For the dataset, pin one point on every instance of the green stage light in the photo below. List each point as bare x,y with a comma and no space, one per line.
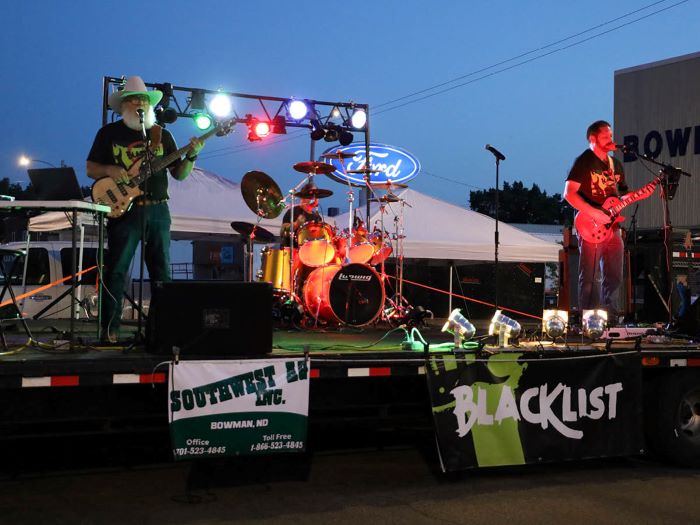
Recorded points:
202,121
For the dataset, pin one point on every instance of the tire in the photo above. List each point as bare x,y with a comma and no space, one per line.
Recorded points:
673,417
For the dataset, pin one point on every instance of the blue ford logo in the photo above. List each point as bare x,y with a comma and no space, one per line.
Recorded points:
392,164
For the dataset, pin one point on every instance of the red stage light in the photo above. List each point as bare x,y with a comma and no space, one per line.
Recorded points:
262,129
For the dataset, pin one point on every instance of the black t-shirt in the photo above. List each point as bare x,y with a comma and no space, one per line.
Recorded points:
117,144
597,181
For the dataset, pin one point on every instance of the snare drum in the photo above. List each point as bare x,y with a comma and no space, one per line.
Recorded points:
315,240
275,269
351,294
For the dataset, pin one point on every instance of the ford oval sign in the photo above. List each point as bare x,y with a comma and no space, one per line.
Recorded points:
393,164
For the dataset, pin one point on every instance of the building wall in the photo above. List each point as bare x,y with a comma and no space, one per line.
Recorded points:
658,106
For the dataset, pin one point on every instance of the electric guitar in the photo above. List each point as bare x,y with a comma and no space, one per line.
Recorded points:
119,195
596,233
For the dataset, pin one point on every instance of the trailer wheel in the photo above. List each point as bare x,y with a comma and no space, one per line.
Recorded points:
675,425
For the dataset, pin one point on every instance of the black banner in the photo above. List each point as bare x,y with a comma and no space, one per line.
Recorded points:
518,408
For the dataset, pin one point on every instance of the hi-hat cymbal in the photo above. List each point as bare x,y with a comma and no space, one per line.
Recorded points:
314,193
389,197
314,167
255,232
338,155
388,185
261,194
364,170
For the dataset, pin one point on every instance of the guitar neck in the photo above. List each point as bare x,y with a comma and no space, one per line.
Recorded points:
640,194
163,162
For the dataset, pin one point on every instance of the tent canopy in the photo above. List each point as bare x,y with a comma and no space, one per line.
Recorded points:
436,229
205,204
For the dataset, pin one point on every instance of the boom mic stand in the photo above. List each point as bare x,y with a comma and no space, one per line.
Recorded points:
669,185
499,157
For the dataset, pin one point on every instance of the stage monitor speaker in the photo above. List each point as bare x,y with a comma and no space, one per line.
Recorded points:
210,319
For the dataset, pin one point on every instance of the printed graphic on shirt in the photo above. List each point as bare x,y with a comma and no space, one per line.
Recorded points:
127,155
604,184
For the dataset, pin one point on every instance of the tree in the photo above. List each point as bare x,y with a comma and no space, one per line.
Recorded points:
518,204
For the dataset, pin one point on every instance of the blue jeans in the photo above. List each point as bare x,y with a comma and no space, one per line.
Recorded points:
608,257
123,236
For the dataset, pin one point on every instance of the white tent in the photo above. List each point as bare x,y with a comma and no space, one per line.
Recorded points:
203,204
436,229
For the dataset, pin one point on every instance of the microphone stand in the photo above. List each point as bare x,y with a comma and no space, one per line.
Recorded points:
147,159
669,184
633,265
495,235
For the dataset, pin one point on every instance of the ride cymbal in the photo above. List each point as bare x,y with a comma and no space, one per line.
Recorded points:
318,193
314,168
364,170
255,232
388,185
389,197
338,155
261,194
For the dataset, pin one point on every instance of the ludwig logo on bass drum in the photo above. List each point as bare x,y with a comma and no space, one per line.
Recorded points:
351,277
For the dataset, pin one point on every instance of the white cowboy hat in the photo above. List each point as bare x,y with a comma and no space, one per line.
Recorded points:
133,86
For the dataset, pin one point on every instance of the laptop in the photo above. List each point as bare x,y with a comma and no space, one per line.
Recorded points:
55,184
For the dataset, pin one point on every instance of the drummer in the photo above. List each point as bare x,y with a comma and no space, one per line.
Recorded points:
306,211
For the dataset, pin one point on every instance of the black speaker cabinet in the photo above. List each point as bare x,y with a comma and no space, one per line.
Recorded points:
210,319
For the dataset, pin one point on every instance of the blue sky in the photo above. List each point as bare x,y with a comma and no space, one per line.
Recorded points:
54,55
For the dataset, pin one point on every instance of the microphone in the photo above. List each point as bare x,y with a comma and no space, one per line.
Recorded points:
139,112
496,153
624,148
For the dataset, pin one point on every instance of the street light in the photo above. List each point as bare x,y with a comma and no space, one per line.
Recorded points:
25,161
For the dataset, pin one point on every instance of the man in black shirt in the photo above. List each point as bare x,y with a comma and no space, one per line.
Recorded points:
117,146
305,211
594,177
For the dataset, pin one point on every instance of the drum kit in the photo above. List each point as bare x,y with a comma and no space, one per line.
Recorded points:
328,274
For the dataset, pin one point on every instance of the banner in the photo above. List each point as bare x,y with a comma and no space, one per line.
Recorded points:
225,408
515,408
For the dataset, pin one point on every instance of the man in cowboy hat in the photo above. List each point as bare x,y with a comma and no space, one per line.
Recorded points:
117,146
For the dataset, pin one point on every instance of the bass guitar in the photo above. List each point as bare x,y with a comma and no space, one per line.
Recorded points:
119,195
595,233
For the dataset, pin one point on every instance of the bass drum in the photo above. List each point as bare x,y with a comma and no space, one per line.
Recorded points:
352,294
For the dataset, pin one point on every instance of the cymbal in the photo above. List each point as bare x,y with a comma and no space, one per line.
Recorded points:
261,194
338,155
314,167
318,193
255,232
388,185
389,197
364,170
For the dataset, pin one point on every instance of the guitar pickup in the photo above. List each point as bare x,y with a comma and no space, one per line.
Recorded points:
111,195
122,190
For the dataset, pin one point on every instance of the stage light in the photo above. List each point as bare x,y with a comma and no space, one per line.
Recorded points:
594,323
257,129
197,100
297,109
459,326
335,113
344,137
504,327
331,134
279,125
165,115
358,119
554,322
220,105
202,121
317,131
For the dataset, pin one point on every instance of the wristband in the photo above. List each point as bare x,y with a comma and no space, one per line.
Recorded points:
191,159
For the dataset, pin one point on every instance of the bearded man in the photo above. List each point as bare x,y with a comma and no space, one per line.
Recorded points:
117,146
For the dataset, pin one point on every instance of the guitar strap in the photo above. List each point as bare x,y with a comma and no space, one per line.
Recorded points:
156,136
